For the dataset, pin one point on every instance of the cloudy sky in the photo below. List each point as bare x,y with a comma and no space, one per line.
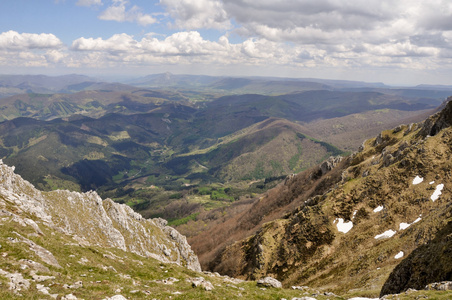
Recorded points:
396,42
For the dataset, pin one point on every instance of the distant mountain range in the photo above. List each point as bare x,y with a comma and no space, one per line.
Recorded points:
107,133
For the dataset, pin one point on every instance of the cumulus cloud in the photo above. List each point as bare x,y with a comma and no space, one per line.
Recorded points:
117,43
184,48
196,14
335,32
89,2
118,12
12,40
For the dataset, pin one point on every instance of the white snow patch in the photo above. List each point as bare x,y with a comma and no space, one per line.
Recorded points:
343,226
399,255
417,179
431,182
437,192
379,208
385,235
354,214
403,226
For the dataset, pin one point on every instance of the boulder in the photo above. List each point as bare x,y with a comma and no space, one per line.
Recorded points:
269,282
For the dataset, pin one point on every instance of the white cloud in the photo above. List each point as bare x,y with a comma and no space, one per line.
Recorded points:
119,12
12,40
196,14
117,43
182,48
55,56
88,2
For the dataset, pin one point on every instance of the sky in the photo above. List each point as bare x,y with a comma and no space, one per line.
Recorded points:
403,42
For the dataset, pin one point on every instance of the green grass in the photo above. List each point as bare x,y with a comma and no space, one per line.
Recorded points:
181,221
103,271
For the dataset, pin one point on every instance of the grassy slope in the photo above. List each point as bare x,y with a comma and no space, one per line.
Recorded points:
104,272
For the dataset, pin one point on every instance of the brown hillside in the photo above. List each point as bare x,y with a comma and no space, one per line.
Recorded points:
374,190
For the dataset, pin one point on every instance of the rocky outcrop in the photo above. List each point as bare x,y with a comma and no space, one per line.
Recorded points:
269,282
440,286
330,164
426,264
91,221
438,121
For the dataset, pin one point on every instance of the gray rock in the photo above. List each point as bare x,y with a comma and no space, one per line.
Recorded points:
440,286
102,223
116,297
199,281
378,140
17,282
330,164
269,282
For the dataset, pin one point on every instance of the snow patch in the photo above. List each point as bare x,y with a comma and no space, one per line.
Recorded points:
379,208
343,226
385,235
404,226
354,214
417,180
437,192
431,182
399,255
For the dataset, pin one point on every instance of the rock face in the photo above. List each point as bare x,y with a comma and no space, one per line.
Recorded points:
426,264
439,121
93,221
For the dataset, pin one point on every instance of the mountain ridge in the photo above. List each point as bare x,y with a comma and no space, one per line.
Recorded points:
116,226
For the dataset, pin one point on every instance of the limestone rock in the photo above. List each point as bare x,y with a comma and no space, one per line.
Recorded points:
199,281
330,163
116,297
269,282
43,253
440,286
17,282
439,121
97,222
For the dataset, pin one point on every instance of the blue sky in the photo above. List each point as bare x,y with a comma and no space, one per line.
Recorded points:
404,42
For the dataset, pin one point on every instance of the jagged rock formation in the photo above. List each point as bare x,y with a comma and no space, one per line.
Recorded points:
91,221
358,219
428,263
